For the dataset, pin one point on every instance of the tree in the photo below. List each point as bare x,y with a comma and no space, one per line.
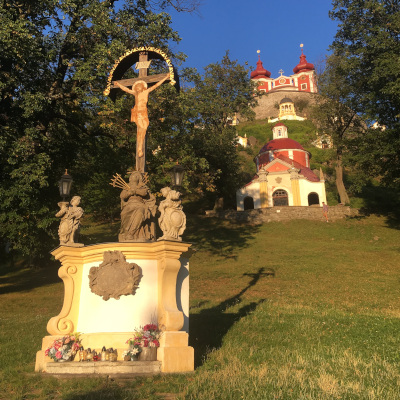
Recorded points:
366,53
193,128
333,117
200,133
225,89
54,63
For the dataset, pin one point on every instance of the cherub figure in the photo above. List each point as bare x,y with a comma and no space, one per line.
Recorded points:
172,220
70,215
139,113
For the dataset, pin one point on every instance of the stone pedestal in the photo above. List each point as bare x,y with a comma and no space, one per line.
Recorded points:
162,297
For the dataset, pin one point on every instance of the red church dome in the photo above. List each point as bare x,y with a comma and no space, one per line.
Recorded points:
281,144
260,71
303,66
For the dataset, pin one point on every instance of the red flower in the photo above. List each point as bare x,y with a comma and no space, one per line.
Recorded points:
46,353
58,355
156,343
150,327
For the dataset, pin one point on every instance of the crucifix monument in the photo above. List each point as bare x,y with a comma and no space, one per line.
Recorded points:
111,289
141,87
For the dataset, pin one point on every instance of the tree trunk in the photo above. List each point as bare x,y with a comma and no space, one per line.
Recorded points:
344,198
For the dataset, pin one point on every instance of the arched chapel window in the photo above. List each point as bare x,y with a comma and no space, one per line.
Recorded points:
280,198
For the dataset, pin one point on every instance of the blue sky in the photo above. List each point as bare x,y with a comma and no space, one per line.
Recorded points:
277,28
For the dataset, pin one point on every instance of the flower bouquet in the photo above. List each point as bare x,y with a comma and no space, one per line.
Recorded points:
147,339
148,336
64,349
134,350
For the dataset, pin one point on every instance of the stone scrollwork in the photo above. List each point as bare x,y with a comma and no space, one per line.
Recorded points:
65,326
169,315
62,323
114,277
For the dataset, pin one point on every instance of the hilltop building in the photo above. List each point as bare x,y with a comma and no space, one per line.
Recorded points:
302,80
300,88
283,177
286,111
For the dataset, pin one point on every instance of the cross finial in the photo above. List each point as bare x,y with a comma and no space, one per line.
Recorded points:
281,71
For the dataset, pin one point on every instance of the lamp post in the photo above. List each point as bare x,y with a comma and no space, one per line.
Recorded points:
177,173
65,184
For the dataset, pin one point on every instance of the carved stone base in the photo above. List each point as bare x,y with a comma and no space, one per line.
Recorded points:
162,297
174,353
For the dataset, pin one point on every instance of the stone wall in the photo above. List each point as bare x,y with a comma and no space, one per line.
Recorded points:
263,215
266,104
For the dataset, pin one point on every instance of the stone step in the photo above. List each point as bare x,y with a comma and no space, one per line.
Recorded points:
104,367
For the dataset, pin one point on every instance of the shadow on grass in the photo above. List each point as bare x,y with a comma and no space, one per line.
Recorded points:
100,233
218,236
22,280
209,326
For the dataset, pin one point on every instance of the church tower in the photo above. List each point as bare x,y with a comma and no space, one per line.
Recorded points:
302,80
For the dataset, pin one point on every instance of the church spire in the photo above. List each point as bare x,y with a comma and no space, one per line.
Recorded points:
260,71
303,65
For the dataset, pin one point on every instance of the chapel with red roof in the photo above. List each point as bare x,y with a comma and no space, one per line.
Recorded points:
283,176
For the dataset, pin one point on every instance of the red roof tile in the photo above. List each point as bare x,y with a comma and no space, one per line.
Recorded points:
306,172
280,144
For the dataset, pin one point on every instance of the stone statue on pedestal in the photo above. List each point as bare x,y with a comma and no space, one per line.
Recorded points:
138,206
70,215
172,220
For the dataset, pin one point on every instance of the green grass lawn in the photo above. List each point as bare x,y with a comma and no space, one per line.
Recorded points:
325,326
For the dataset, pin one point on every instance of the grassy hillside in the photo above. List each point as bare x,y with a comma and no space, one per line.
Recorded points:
324,327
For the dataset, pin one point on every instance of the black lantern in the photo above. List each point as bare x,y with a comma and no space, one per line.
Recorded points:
65,184
177,173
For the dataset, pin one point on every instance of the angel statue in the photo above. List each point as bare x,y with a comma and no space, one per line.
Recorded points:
70,215
172,220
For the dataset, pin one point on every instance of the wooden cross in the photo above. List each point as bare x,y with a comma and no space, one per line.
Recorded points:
139,112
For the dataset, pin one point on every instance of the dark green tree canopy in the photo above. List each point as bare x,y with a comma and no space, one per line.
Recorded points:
54,63
56,56
366,57
366,51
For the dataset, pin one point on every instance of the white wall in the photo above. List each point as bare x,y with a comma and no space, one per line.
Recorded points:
307,187
252,190
125,314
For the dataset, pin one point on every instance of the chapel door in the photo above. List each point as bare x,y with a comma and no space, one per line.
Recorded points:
280,198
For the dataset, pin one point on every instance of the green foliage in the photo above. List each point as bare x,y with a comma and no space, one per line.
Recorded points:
192,127
55,60
366,55
259,129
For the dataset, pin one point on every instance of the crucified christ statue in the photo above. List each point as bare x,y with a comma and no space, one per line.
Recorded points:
139,111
